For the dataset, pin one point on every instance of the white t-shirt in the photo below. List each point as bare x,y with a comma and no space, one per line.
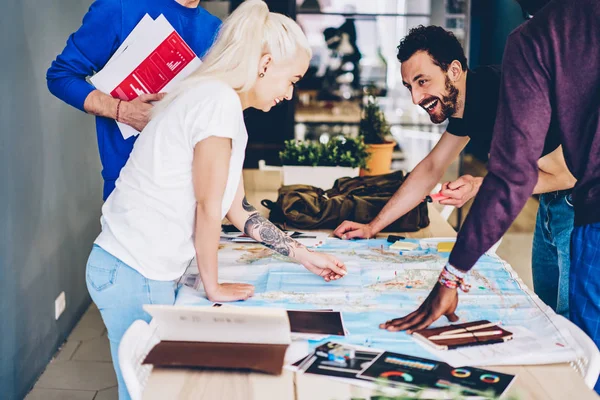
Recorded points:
148,220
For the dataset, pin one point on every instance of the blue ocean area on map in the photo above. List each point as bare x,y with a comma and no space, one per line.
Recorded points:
381,284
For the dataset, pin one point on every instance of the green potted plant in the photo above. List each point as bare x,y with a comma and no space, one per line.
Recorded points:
320,164
375,130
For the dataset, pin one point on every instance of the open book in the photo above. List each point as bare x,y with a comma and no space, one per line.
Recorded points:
152,59
240,338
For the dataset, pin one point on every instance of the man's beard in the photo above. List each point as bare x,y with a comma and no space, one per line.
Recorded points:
448,103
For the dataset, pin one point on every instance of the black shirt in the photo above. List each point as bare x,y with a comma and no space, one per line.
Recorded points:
481,101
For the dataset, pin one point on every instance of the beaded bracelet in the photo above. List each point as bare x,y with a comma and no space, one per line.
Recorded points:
453,281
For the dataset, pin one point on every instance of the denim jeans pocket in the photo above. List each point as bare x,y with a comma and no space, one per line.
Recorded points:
102,269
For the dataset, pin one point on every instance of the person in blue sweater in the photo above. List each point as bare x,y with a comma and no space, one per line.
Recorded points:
105,26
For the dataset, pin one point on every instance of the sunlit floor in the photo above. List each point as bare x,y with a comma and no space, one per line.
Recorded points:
82,369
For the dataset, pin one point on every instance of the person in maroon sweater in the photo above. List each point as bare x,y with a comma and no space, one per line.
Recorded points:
550,71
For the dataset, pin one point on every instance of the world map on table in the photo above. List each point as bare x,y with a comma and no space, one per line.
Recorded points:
383,284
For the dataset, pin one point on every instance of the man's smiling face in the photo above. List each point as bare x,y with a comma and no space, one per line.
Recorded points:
430,86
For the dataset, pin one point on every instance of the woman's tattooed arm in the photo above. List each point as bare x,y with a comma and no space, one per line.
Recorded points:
263,231
247,206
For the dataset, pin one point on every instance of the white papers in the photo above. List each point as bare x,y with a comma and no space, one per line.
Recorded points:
297,350
526,348
144,23
221,324
309,336
152,59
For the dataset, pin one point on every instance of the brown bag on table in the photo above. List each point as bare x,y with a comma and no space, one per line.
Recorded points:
355,199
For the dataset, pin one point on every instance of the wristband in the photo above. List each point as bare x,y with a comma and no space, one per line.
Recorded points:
448,279
118,108
455,271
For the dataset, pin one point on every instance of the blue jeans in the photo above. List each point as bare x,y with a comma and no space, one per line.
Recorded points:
551,260
119,291
584,288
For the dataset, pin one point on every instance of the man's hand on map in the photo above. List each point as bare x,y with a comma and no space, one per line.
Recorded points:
441,301
229,292
324,265
137,112
354,230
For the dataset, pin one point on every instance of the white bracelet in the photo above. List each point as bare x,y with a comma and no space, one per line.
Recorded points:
455,271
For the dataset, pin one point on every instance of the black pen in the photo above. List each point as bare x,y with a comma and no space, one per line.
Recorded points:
394,238
299,235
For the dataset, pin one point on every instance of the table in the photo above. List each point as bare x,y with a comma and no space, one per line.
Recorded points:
543,382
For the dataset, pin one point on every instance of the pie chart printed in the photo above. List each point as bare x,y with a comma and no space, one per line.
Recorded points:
461,373
489,378
403,375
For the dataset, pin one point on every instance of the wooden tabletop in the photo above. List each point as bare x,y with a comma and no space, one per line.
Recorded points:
543,382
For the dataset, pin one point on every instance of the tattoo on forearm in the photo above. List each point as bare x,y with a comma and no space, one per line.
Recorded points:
269,235
247,206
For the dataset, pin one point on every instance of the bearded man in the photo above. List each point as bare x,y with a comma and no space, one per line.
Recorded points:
434,70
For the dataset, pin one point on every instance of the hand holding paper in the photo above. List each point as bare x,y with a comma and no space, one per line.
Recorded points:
137,112
152,59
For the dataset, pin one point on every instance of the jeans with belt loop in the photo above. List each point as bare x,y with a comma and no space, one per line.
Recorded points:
551,250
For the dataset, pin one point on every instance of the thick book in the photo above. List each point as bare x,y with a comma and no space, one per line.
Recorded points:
266,358
224,338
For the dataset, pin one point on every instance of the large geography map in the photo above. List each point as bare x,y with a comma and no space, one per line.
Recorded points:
383,284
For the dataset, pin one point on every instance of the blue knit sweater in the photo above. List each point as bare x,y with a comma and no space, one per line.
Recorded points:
105,26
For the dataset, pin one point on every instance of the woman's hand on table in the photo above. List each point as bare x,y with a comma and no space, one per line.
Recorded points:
441,301
224,292
324,265
354,230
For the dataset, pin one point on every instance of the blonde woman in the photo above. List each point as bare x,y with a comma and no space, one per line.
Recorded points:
185,174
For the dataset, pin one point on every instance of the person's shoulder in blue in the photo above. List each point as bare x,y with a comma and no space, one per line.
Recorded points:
105,26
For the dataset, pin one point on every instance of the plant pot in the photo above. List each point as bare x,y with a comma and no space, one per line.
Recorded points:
380,160
321,177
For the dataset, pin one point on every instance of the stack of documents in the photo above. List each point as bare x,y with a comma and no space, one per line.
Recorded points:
152,59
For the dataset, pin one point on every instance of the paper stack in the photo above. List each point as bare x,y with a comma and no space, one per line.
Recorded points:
152,59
